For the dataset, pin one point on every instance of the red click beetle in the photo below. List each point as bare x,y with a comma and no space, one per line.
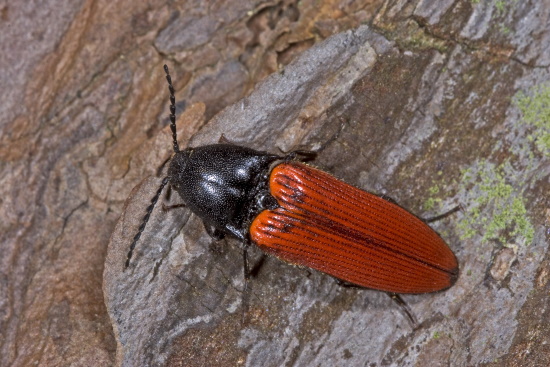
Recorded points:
306,217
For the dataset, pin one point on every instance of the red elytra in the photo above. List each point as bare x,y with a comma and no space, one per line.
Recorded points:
326,224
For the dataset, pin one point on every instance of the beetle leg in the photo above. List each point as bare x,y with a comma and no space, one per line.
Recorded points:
389,199
444,215
246,271
394,296
214,233
168,194
170,207
224,140
301,155
431,219
246,263
344,284
167,197
405,308
235,232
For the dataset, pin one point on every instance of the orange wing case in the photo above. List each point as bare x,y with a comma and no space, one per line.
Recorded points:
325,224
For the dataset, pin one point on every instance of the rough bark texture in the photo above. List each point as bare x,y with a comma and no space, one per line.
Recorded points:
433,103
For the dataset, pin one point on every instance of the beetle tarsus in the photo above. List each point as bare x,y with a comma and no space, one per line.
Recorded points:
444,215
405,308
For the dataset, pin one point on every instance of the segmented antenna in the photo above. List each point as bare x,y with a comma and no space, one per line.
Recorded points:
172,110
166,179
145,220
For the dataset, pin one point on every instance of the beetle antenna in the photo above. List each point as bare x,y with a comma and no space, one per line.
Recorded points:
145,220
172,110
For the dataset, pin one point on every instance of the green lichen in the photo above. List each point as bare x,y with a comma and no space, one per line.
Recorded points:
419,40
429,204
492,194
494,207
535,110
432,200
434,190
505,30
500,5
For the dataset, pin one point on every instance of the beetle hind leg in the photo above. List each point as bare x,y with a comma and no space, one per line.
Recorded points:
404,308
395,298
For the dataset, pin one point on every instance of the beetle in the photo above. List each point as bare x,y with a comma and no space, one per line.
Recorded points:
305,216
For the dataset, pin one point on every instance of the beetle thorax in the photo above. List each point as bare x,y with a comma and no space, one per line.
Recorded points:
219,182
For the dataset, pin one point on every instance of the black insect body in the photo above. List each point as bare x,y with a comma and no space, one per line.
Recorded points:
223,184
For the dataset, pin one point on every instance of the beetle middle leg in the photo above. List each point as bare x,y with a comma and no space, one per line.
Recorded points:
444,215
250,270
394,296
246,271
431,219
167,198
301,155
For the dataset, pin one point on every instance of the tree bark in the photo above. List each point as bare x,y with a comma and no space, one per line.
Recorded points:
432,103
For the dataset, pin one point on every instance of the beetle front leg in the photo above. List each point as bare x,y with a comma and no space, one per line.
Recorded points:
214,233
301,155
